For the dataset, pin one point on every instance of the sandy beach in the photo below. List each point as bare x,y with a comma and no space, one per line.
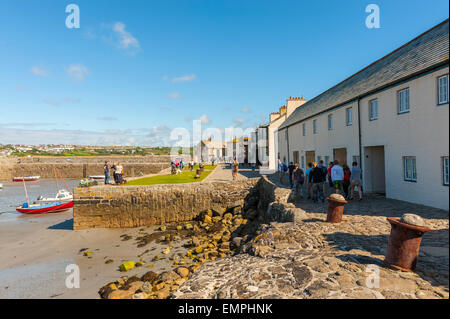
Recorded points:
36,250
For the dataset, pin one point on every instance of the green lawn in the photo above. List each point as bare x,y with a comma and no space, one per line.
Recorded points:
186,177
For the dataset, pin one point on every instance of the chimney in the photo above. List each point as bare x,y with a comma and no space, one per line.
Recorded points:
293,103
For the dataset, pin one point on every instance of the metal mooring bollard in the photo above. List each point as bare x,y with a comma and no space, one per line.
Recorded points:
404,242
336,204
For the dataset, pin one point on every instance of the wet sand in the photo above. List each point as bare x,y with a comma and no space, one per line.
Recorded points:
35,251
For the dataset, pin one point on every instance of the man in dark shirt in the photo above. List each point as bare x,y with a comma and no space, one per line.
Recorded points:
291,169
106,170
317,179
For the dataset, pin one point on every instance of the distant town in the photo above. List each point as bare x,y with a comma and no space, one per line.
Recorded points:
78,150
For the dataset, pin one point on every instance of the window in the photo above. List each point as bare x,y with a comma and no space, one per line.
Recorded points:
319,158
403,101
409,168
443,89
349,116
327,160
373,110
286,135
330,122
304,129
303,161
315,126
295,157
445,170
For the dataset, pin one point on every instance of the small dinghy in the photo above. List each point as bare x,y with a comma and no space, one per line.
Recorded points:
97,176
62,196
26,179
44,208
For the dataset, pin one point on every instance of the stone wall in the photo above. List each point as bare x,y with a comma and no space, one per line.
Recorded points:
134,206
80,167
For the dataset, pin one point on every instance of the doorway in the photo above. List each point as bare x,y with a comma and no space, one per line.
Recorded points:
340,154
310,156
374,170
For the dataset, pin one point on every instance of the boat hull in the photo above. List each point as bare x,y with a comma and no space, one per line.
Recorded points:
51,209
26,179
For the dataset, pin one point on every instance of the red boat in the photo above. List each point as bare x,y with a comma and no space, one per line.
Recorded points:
44,208
26,179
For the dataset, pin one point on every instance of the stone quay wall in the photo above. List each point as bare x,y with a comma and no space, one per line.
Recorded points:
135,206
80,167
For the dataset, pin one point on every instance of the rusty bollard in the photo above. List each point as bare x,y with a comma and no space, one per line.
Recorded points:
336,204
404,242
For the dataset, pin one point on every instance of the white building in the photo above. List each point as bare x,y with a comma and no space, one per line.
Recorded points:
393,114
207,150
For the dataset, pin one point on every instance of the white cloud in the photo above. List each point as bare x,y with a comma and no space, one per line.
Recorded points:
107,118
174,96
77,72
185,78
125,40
51,102
238,121
246,110
204,119
38,71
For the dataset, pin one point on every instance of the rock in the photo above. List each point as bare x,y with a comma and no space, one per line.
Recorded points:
105,291
168,276
228,216
147,287
337,197
162,228
166,251
208,219
188,226
159,286
412,219
121,294
237,241
109,261
182,272
139,264
139,295
127,266
252,288
88,253
163,293
179,227
195,241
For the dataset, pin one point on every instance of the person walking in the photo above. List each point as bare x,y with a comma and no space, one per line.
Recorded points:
325,173
235,169
337,176
355,180
346,181
299,179
291,169
181,165
308,180
330,182
317,179
281,171
119,173
114,168
106,171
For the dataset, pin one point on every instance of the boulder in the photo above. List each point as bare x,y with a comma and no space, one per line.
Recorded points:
127,266
182,272
412,219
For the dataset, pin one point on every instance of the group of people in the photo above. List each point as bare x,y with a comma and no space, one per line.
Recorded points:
117,173
340,178
176,167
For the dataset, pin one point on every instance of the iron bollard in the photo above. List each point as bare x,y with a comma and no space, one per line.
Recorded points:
404,244
336,204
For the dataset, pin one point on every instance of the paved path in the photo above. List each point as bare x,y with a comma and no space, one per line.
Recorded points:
223,174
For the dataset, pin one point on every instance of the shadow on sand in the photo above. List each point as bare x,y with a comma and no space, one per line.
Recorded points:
65,225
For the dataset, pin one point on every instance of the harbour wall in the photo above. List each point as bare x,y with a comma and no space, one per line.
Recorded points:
80,167
135,206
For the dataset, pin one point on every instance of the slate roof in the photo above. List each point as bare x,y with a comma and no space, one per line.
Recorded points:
427,50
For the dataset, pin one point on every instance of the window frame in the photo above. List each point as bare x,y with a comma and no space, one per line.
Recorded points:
330,122
399,99
371,117
304,129
444,159
315,129
439,92
349,110
405,169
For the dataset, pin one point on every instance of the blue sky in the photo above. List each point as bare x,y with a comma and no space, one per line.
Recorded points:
134,70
